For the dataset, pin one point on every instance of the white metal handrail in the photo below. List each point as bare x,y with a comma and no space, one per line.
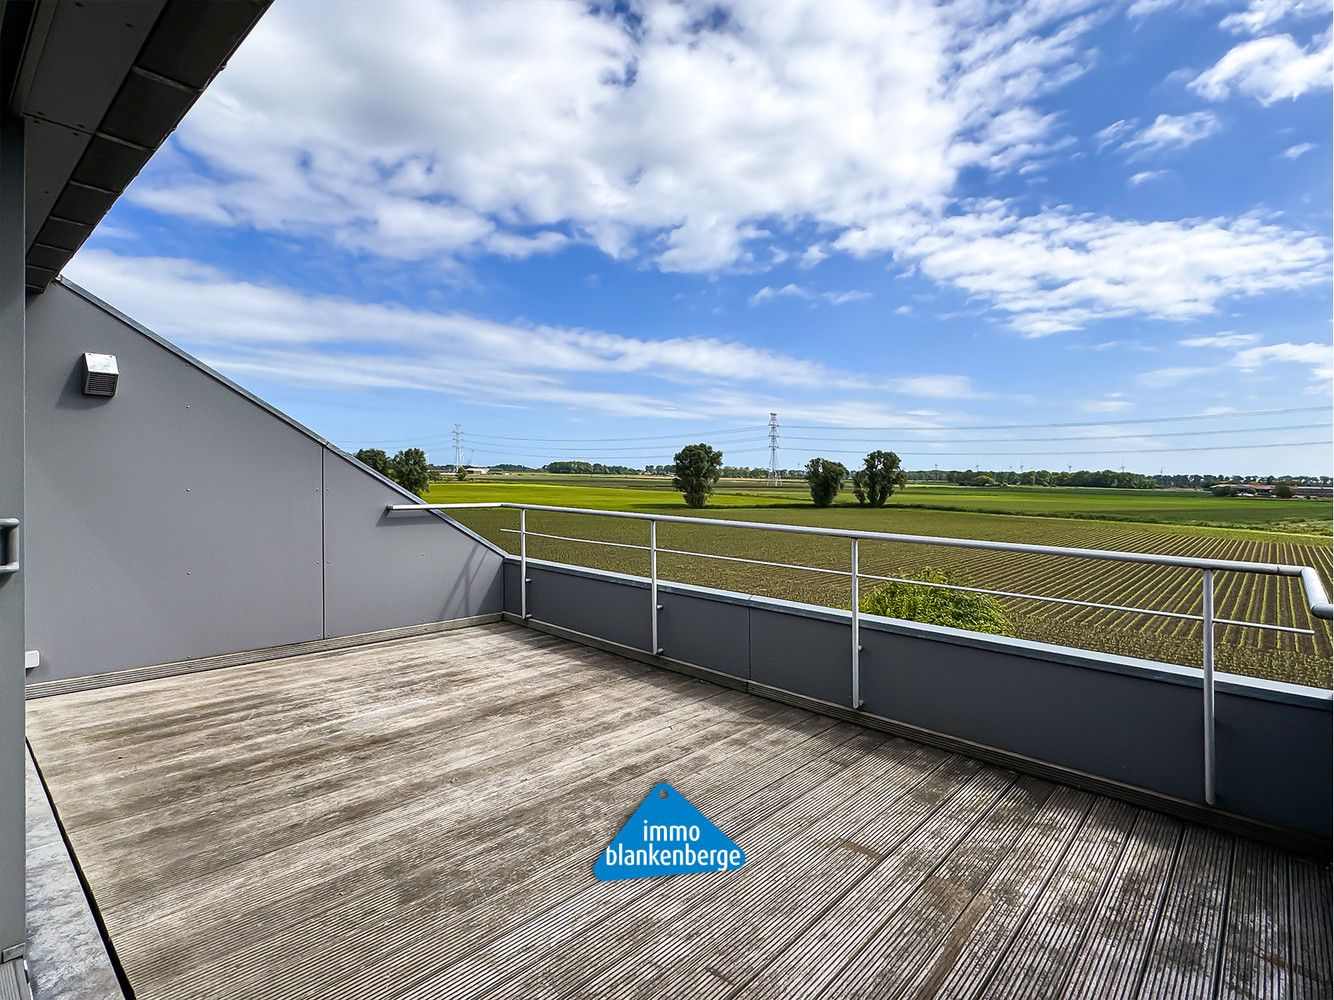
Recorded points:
1313,587
660,550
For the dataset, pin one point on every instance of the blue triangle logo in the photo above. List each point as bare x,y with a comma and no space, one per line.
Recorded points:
667,836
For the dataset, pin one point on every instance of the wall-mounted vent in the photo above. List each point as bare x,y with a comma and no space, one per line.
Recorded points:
100,374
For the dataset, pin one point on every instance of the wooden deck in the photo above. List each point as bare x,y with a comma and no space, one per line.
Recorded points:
420,819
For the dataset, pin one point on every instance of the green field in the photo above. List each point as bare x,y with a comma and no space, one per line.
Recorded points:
1184,507
1296,658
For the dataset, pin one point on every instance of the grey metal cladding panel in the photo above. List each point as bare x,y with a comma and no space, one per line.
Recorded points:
192,38
102,40
614,610
1113,725
146,109
1274,761
389,570
175,520
808,656
53,151
706,633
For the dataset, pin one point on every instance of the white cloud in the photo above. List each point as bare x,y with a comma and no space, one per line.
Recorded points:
1143,8
454,124
517,245
1260,15
1109,405
936,386
1320,357
768,294
1269,69
1301,149
1172,132
293,337
1144,176
1162,378
1115,132
1227,340
1058,271
456,129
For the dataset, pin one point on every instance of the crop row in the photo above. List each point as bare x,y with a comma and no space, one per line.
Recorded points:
1242,596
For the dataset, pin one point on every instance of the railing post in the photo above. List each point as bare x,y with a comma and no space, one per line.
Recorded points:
523,563
856,631
653,585
1209,742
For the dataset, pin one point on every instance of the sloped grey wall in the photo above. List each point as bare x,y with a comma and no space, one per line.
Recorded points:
387,570
183,518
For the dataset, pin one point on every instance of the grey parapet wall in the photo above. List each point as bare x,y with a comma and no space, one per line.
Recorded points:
184,518
1126,727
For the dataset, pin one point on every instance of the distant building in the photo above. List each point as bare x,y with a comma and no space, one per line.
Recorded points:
1267,490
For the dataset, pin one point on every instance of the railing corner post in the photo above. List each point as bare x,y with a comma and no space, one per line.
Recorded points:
1210,743
523,563
654,645
856,630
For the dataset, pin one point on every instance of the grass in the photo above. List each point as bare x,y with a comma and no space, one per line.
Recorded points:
1280,656
1180,507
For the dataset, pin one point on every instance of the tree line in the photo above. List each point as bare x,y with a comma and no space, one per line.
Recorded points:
697,468
408,468
1105,478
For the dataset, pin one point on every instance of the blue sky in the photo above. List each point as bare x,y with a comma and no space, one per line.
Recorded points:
597,231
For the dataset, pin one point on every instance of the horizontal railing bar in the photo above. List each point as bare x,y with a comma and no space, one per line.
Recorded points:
760,562
1317,598
581,541
1090,604
923,583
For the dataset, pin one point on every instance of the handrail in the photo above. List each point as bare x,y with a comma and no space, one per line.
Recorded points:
1317,598
1313,587
1042,598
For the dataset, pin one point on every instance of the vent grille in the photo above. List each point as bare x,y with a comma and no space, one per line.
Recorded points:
99,384
100,374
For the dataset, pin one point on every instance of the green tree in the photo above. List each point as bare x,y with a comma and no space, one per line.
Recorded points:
1283,491
409,470
461,473
825,478
377,460
936,606
880,475
695,472
982,479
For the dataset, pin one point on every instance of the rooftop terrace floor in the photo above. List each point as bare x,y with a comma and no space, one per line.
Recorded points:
420,818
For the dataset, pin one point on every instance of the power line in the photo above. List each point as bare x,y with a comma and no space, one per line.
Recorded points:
1090,437
773,449
1121,451
572,440
1079,423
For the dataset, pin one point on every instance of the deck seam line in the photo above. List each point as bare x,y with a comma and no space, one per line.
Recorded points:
1217,984
1103,893
1022,922
1152,949
940,862
985,879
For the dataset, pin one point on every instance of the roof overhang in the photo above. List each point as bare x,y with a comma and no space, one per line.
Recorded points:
100,87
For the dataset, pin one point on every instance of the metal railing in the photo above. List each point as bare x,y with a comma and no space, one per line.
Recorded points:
1313,587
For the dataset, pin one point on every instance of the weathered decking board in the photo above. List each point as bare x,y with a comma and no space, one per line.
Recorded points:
420,818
